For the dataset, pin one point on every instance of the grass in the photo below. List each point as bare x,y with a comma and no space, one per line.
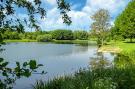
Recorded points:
75,41
119,46
57,41
22,40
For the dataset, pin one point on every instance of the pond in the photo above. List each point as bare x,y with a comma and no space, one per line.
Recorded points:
58,59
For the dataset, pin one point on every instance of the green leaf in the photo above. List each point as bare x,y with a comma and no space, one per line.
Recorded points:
25,64
27,73
4,64
4,73
18,64
1,59
33,64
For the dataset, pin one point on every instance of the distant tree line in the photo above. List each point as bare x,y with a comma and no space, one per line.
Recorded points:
60,34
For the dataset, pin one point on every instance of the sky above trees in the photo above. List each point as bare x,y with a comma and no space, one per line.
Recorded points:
81,10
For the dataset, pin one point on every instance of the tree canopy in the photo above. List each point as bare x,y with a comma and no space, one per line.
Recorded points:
125,22
101,24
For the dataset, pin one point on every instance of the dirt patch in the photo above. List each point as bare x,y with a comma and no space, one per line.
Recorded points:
109,49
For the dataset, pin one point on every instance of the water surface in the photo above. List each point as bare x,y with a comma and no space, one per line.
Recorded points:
58,59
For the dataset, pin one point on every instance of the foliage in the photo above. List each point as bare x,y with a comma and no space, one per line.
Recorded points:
10,75
64,7
62,34
8,34
100,26
44,38
104,83
125,22
116,34
81,35
8,8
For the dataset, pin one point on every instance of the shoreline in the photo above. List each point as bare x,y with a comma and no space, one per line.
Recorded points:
118,47
110,49
83,42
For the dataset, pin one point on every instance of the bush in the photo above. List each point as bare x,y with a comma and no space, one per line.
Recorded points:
119,38
44,38
10,35
81,35
62,34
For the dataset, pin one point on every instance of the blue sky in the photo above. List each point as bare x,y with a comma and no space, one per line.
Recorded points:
81,10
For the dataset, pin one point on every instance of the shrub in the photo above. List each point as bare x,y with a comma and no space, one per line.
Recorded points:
81,35
119,38
8,34
62,34
44,38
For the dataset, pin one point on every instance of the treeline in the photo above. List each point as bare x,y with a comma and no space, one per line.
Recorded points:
60,34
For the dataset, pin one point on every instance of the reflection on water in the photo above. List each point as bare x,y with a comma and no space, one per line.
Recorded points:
58,59
100,61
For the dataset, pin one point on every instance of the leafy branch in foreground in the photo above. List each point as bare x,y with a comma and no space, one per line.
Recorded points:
10,75
8,8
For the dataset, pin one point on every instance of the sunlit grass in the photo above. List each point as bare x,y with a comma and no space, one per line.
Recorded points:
124,46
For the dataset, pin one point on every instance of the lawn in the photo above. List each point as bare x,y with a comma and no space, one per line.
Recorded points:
120,46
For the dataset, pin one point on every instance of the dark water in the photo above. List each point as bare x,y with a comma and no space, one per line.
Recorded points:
58,59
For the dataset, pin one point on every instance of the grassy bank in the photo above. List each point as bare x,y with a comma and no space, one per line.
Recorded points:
119,46
22,40
75,41
57,41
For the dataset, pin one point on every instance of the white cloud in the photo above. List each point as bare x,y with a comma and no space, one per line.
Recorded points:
51,2
112,5
81,19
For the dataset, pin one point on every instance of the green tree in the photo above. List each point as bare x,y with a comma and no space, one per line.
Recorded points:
44,38
80,34
100,26
62,34
125,22
116,34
